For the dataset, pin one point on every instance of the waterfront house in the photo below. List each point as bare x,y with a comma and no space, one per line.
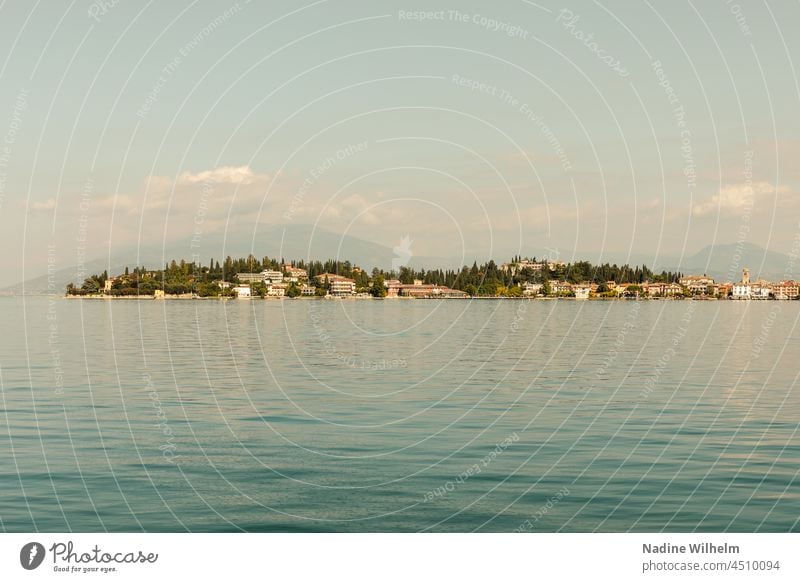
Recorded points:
242,290
724,289
662,289
392,287
429,291
582,291
447,293
786,290
560,287
741,290
342,286
697,284
308,291
531,288
761,289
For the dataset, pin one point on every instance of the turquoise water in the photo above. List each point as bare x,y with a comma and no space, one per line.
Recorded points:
399,415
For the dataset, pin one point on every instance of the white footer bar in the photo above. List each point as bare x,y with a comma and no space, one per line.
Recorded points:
402,557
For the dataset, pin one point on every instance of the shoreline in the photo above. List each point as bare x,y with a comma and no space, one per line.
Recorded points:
361,298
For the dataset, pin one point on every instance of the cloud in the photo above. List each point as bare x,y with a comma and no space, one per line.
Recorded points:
736,198
44,206
221,175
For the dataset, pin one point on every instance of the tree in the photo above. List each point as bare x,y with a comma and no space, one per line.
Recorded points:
293,290
378,289
546,288
258,288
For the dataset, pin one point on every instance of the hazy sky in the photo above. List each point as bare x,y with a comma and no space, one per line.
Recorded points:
577,128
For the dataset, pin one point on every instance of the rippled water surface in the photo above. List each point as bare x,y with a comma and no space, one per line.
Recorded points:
312,415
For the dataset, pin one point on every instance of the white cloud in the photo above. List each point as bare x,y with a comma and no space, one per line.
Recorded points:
221,175
736,198
44,206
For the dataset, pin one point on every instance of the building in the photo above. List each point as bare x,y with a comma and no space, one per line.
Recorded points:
342,286
249,277
786,290
581,291
447,293
560,287
745,289
429,291
308,291
270,277
242,290
724,289
330,277
276,290
740,291
760,289
294,274
392,287
520,266
697,284
663,289
532,288
223,284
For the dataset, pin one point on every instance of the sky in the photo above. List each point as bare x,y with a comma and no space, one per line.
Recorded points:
571,130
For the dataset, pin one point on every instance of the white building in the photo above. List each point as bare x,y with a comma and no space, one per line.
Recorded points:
745,289
271,276
531,288
249,277
276,290
741,291
242,290
581,291
342,286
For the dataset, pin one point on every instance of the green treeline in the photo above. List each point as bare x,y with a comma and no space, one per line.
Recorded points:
482,280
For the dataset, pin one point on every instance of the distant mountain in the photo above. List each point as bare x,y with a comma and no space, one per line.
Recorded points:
723,262
726,261
60,279
288,242
302,241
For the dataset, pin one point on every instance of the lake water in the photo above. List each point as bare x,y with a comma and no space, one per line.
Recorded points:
398,415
